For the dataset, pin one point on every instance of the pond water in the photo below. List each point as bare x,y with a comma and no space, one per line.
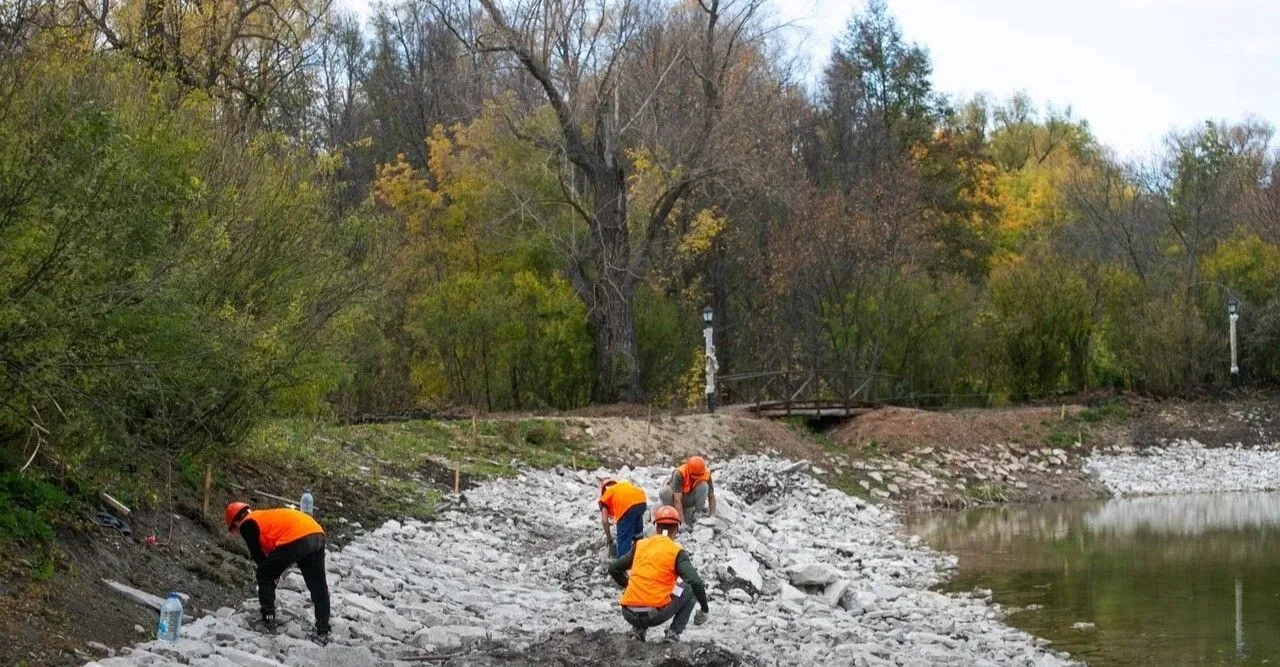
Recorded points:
1170,580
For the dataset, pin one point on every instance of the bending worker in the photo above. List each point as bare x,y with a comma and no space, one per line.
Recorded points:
277,539
624,503
689,488
652,595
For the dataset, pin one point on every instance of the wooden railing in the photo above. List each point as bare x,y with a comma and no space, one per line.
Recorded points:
809,392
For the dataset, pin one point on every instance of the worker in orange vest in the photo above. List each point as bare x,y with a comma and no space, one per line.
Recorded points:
624,503
689,489
277,539
653,594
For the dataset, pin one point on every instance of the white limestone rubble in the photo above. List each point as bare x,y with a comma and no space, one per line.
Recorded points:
797,574
1185,467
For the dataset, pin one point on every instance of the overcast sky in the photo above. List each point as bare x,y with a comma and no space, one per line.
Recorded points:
1133,68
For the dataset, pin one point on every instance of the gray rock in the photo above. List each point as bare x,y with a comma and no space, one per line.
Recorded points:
866,600
448,637
347,656
834,592
246,659
745,568
791,593
813,574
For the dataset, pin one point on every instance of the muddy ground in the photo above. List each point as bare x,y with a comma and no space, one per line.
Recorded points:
579,647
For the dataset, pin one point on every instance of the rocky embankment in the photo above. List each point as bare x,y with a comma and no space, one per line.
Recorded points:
1185,466
514,573
933,477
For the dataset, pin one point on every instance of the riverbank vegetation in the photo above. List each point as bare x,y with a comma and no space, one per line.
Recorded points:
216,214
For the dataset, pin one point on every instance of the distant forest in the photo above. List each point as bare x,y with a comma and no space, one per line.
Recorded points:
217,212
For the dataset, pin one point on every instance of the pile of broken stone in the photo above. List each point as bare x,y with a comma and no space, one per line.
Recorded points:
1186,466
798,573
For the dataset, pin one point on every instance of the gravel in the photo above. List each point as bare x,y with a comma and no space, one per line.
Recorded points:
1186,467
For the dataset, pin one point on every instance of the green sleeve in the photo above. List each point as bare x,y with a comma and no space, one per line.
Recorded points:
684,567
618,568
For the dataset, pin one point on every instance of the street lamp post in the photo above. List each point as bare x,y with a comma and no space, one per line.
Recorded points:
712,365
1233,306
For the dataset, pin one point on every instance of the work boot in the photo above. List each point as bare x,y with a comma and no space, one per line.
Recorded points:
322,638
269,623
638,633
670,637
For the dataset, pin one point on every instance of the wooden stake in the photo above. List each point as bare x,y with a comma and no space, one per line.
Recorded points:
208,480
115,504
457,478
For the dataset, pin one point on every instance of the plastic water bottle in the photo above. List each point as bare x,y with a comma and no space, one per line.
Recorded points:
307,504
170,619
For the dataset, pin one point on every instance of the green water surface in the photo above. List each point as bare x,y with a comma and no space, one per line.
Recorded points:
1180,580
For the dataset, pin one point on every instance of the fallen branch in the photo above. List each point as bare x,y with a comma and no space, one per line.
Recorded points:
141,597
39,441
273,496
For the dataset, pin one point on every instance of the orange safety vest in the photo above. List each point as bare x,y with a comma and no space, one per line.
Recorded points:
689,480
653,573
279,527
620,497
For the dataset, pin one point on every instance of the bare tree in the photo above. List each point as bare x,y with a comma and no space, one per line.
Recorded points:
584,55
1119,223
250,54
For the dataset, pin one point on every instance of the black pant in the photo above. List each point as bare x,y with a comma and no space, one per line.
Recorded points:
677,611
308,553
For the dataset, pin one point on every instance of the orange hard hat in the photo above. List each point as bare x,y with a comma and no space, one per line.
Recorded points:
697,465
606,483
666,514
233,511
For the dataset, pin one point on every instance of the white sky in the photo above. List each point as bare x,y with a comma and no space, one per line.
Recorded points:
1134,69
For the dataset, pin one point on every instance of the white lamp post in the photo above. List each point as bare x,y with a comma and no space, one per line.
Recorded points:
1233,306
712,365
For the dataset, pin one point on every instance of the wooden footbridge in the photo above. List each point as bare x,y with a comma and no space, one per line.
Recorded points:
814,393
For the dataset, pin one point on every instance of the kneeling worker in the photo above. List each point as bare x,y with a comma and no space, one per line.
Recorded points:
277,539
652,596
689,489
624,503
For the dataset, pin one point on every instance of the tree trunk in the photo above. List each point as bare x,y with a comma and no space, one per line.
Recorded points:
613,326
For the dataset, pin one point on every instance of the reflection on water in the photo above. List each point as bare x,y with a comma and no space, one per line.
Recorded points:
1167,580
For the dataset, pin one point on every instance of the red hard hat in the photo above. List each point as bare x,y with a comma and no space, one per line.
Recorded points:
666,514
697,465
234,510
606,483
